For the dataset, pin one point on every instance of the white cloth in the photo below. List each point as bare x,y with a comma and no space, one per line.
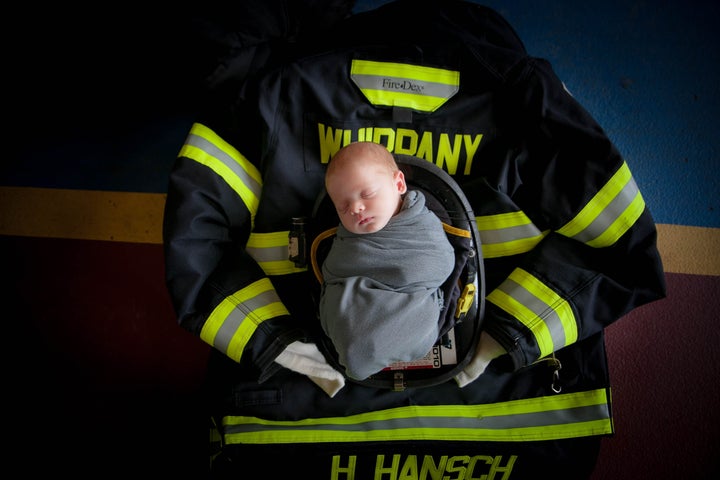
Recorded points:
487,350
305,358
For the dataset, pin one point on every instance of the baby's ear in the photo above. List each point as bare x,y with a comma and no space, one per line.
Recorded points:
399,179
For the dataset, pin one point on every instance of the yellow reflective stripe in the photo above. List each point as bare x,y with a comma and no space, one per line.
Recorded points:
568,415
514,247
609,214
404,85
207,148
547,315
404,100
232,323
270,251
621,224
507,234
405,70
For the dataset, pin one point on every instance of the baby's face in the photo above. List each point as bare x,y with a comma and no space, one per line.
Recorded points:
366,196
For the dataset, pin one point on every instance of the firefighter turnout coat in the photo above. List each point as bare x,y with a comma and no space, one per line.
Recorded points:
568,243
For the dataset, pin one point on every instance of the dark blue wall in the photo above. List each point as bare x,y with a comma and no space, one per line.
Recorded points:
649,72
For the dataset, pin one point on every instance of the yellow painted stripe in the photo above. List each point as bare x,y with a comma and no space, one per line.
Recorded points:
82,214
686,249
137,218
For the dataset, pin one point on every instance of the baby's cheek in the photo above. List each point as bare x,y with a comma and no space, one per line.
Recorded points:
348,225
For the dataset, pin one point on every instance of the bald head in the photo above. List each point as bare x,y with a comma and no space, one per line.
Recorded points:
368,154
365,185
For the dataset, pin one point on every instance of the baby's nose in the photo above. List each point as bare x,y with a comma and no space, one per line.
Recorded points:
356,208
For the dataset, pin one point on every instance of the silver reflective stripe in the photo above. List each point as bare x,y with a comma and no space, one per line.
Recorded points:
240,314
539,308
579,414
268,254
509,234
382,82
545,418
271,251
227,160
609,214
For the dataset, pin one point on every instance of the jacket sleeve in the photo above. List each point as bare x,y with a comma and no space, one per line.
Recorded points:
218,290
571,235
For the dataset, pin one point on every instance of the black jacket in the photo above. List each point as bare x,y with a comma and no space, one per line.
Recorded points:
568,243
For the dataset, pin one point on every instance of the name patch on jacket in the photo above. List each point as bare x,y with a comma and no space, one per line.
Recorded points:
422,467
453,150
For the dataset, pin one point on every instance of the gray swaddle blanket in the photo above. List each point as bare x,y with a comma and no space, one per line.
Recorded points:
380,299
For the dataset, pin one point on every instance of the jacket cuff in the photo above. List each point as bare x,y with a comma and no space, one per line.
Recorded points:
266,361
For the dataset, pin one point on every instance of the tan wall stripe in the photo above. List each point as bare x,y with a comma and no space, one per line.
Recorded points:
686,249
82,214
137,218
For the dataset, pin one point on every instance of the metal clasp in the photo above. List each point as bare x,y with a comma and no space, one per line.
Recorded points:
556,365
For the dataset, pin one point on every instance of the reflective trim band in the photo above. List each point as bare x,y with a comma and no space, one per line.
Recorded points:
547,315
507,234
236,318
609,214
270,251
207,148
568,415
420,88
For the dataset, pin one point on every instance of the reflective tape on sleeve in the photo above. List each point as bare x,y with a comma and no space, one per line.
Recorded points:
569,415
235,319
507,234
609,214
270,251
545,313
207,148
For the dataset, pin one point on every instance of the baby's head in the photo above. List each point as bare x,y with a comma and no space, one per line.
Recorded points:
365,185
